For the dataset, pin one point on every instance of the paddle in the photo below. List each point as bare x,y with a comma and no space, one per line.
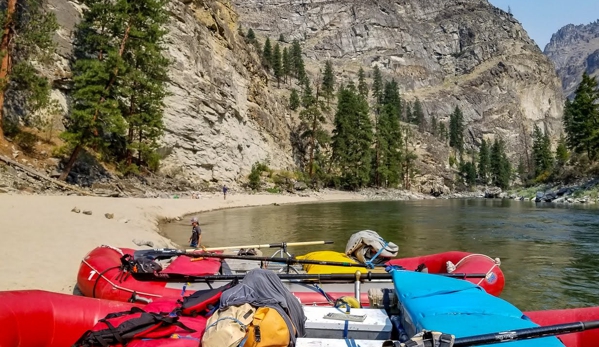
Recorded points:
167,253
268,245
369,276
288,261
526,333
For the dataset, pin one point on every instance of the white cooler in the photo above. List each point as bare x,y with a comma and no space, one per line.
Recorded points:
376,326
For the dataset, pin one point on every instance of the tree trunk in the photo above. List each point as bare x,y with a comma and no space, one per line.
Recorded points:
70,164
312,145
139,148
5,65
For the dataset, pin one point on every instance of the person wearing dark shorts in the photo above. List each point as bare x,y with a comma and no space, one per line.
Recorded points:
196,233
225,190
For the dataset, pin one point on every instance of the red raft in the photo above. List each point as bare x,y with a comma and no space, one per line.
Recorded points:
100,276
35,318
460,262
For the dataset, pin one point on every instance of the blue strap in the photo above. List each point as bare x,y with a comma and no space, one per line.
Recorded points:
326,296
346,329
183,291
369,263
351,343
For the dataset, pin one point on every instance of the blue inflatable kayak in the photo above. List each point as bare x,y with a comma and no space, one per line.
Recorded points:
460,308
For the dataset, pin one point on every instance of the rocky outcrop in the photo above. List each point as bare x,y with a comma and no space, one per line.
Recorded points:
447,53
574,49
220,116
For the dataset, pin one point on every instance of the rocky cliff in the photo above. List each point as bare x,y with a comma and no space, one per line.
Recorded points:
574,49
220,117
445,52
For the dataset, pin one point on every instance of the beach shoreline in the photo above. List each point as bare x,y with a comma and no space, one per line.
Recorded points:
44,239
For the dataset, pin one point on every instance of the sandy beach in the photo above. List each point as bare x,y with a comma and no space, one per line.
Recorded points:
43,241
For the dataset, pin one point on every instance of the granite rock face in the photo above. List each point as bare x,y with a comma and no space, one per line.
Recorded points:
220,117
447,53
574,49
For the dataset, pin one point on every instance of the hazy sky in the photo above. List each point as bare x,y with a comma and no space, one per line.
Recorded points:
542,18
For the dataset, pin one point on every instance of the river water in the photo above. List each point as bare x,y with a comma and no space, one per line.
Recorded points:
549,254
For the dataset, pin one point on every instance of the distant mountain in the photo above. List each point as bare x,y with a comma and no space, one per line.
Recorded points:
574,49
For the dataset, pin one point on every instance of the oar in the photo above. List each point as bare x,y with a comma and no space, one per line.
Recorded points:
369,276
526,333
167,253
288,261
267,245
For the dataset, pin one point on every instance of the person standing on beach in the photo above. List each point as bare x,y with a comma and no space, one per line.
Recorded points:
225,189
196,233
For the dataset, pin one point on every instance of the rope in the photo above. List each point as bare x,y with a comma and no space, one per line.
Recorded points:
115,286
118,250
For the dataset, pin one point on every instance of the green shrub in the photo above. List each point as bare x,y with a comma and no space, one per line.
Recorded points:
26,141
256,173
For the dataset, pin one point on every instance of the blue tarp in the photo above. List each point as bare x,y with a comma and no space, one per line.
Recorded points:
458,307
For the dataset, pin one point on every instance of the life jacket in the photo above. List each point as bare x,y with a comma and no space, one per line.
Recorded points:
425,339
122,328
203,302
139,265
269,329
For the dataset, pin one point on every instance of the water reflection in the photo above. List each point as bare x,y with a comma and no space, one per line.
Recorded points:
549,254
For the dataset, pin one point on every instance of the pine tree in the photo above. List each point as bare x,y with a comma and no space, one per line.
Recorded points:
294,100
456,130
500,165
561,152
281,38
443,132
434,126
390,137
407,161
267,55
308,98
311,121
541,153
468,172
277,64
286,64
27,31
144,83
297,61
119,80
362,85
352,138
328,81
409,114
484,162
581,118
419,116
251,36
377,85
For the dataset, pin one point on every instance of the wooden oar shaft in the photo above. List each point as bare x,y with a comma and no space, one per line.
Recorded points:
268,245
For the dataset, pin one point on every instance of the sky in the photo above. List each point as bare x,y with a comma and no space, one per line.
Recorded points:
543,18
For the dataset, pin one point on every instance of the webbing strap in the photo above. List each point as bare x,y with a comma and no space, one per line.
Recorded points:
351,343
369,263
